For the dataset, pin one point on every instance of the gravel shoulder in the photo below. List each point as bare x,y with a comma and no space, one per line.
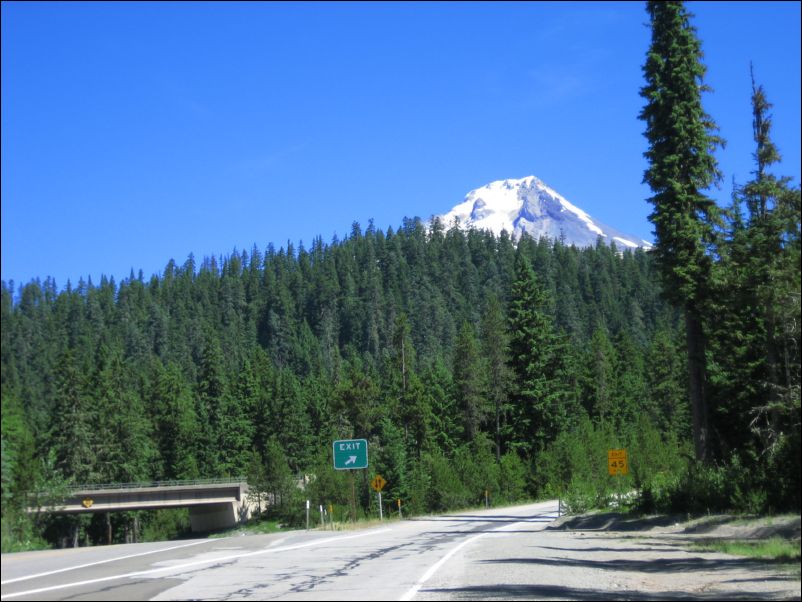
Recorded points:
614,557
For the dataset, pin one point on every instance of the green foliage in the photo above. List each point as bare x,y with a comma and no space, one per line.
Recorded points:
20,534
437,486
574,467
475,465
17,452
512,479
468,362
495,348
163,525
469,385
681,162
723,487
737,284
666,383
756,342
391,460
682,140
703,489
775,549
280,485
537,390
22,530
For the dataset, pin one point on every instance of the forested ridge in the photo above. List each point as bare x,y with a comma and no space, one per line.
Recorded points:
473,364
468,361
403,338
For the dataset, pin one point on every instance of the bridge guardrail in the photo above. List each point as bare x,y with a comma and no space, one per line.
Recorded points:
97,486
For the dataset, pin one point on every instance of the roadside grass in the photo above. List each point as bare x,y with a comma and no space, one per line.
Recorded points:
265,527
254,527
763,521
362,523
784,552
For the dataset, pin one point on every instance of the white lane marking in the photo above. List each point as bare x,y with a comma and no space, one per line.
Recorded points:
83,566
179,567
433,569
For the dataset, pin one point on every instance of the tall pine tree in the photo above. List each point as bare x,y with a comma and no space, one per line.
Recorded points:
533,345
757,335
682,140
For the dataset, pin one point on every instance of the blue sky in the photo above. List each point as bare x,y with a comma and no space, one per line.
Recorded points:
133,133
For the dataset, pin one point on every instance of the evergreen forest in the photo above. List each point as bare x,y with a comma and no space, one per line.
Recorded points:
479,368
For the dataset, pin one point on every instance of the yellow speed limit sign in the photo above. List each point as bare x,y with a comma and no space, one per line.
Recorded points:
617,461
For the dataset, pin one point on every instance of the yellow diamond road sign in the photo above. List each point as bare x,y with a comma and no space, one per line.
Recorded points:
87,503
378,483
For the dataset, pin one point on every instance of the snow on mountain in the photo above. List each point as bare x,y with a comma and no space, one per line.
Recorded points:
528,205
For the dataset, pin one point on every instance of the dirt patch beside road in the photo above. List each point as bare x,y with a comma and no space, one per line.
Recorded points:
654,558
617,557
715,526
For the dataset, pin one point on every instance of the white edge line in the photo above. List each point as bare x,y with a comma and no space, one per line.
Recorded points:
434,568
191,564
88,564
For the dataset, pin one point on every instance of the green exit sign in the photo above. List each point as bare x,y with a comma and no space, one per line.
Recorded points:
350,454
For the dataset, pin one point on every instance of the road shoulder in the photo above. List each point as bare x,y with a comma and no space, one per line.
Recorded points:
614,557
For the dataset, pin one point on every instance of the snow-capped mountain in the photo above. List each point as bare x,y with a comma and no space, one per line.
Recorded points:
528,205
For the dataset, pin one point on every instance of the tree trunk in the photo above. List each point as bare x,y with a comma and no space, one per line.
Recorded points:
697,370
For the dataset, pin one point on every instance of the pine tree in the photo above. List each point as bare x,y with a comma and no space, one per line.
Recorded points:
666,382
536,389
468,382
681,166
756,340
175,422
495,354
600,381
125,450
212,398
73,436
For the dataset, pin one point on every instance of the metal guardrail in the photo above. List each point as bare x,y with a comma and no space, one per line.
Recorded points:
96,486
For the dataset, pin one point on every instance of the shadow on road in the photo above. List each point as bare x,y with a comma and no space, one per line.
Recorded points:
614,521
658,565
546,592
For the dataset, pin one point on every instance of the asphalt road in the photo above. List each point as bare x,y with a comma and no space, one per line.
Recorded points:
421,558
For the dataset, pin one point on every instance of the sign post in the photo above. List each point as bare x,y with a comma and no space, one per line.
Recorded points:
378,484
351,454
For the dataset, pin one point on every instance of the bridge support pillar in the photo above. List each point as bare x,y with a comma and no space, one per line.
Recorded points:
211,517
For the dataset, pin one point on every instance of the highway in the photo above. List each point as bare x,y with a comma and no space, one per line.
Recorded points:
422,558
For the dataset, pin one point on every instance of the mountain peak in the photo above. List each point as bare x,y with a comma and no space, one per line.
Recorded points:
530,205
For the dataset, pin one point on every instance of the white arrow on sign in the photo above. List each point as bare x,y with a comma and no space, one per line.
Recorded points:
351,460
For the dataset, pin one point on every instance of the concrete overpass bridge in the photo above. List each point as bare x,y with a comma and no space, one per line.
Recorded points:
213,503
